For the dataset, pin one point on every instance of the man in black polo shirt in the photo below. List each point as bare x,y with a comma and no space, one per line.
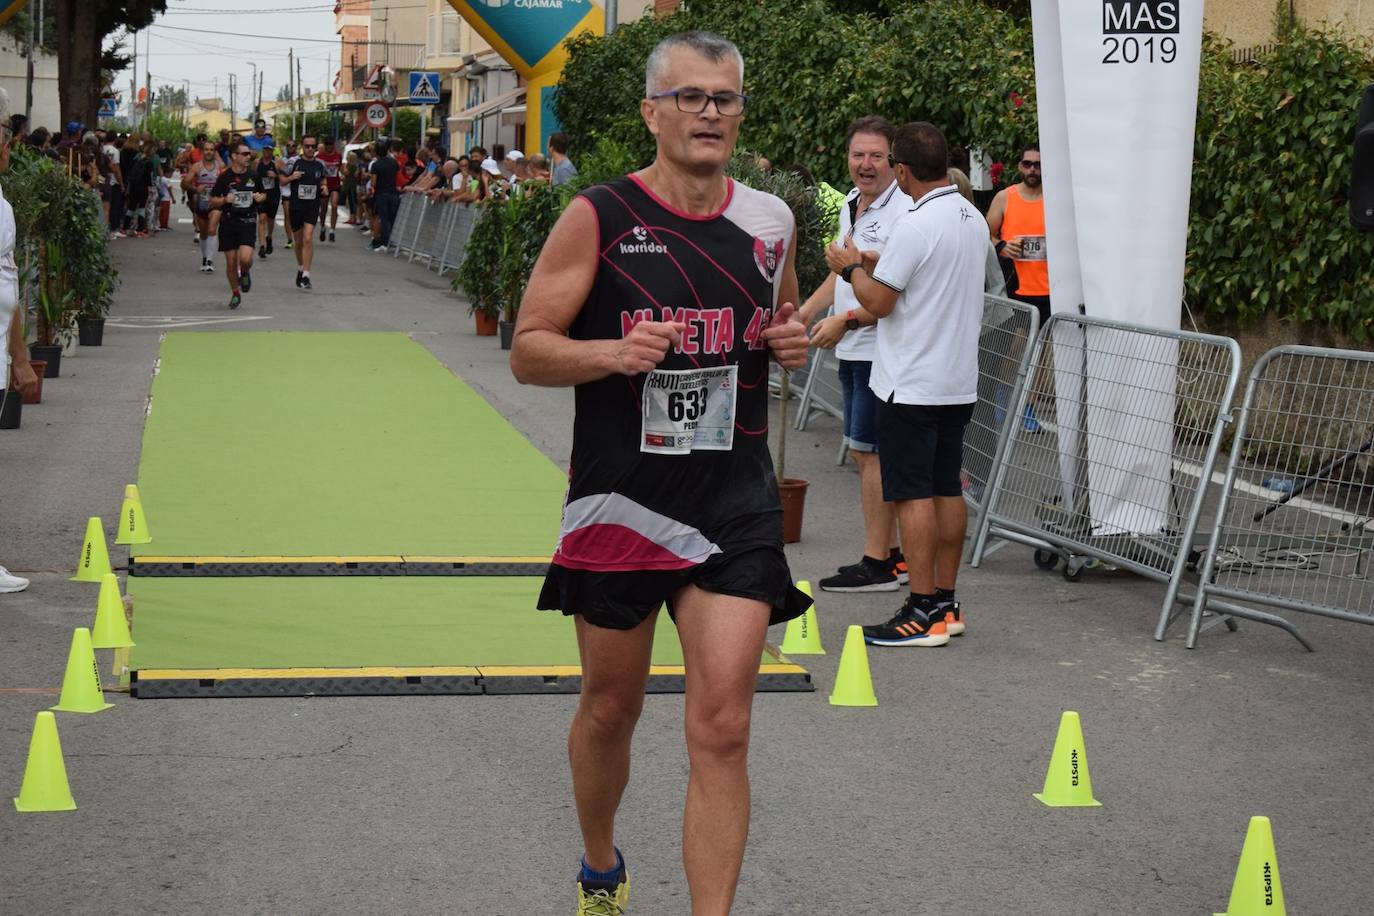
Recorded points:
386,197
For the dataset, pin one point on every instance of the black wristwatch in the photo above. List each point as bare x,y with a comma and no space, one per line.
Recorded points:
850,322
848,272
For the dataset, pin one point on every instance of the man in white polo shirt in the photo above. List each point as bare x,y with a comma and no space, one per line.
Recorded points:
870,210
926,291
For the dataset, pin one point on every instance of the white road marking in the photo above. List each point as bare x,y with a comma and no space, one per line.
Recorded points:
141,323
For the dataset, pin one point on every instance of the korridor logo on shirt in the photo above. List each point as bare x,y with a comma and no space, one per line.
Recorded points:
767,256
642,243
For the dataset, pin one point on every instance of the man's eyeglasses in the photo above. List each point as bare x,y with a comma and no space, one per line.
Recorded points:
893,162
307,146
1030,163
242,152
694,101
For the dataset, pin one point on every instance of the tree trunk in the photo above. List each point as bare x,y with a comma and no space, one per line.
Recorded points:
78,61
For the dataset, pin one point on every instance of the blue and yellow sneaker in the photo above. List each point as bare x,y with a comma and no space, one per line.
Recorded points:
603,897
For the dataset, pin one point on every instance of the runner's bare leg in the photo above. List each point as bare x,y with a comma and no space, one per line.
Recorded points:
722,643
615,668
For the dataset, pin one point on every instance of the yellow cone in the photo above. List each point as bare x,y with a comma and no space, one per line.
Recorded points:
45,777
1257,891
803,636
1067,783
133,524
111,630
853,683
94,561
81,684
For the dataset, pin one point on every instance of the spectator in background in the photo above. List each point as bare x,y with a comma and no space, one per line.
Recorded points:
141,177
19,128
72,137
348,188
994,283
563,169
538,168
446,183
510,165
386,196
165,197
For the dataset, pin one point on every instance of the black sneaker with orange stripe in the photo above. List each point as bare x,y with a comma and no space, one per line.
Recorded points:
896,564
913,625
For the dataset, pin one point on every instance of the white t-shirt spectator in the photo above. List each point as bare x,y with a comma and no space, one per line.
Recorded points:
9,285
927,349
870,234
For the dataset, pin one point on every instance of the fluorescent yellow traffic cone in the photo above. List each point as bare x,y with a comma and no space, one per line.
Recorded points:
111,630
95,559
133,524
853,683
81,684
803,636
1067,783
45,776
1257,891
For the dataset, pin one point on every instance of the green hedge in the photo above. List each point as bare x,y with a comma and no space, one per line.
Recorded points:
1269,232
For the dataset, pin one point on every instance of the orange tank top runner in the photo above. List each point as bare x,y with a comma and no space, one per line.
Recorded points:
1025,219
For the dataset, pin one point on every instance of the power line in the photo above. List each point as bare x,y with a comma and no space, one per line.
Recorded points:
296,38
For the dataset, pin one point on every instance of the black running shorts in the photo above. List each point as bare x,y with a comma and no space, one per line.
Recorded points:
930,443
623,600
299,214
235,233
270,205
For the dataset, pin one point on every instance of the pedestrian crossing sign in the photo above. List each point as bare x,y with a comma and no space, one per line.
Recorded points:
424,87
108,108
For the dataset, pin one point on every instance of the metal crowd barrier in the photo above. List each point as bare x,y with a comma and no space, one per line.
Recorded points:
1295,524
432,213
1005,341
1113,467
456,242
820,388
407,222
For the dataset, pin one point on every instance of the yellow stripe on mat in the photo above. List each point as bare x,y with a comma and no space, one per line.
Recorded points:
225,674
142,559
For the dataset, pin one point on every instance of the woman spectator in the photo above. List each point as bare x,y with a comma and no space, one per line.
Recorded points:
140,184
349,188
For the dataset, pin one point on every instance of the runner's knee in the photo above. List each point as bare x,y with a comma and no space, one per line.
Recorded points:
610,714
718,729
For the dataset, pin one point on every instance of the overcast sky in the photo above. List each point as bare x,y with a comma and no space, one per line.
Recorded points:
206,40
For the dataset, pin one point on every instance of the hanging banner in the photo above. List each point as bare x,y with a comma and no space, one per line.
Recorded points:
529,35
1119,99
9,7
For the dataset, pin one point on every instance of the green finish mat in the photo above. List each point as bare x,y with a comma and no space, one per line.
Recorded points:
356,622
310,444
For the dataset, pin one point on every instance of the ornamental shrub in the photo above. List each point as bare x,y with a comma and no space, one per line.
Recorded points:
1269,232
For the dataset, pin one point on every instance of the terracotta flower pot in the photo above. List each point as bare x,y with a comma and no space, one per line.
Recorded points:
793,493
39,367
486,324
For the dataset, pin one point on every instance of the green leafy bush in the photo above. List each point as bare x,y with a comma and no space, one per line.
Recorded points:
61,245
1269,234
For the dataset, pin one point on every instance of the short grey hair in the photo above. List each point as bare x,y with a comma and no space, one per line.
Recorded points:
707,44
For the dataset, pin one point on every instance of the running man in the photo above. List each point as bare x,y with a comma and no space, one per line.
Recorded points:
267,213
333,180
303,211
238,194
198,183
286,164
672,497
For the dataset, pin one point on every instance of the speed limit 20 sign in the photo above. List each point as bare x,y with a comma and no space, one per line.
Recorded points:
377,114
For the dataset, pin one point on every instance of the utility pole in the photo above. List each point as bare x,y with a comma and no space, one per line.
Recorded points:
147,78
233,106
133,86
28,87
612,14
252,89
186,105
261,74
291,84
304,120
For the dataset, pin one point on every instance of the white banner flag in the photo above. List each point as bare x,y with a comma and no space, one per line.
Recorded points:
1117,95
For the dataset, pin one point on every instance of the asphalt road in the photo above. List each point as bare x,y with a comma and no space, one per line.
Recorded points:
461,805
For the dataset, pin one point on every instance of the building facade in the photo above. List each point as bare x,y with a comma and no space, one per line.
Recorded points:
1250,23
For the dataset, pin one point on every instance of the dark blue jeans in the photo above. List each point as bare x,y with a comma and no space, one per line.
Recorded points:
386,205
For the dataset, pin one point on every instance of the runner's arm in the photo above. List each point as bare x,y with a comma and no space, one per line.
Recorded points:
786,336
542,353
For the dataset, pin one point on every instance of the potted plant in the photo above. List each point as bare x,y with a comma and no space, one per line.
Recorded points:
54,308
479,276
811,223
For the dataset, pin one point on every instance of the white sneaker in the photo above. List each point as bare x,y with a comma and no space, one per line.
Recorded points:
9,583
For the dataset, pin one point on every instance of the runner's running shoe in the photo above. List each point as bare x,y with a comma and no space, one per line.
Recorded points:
269,244
207,266
288,244
299,274
954,617
911,626
262,251
305,283
245,281
234,301
331,235
9,583
867,575
602,900
323,231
